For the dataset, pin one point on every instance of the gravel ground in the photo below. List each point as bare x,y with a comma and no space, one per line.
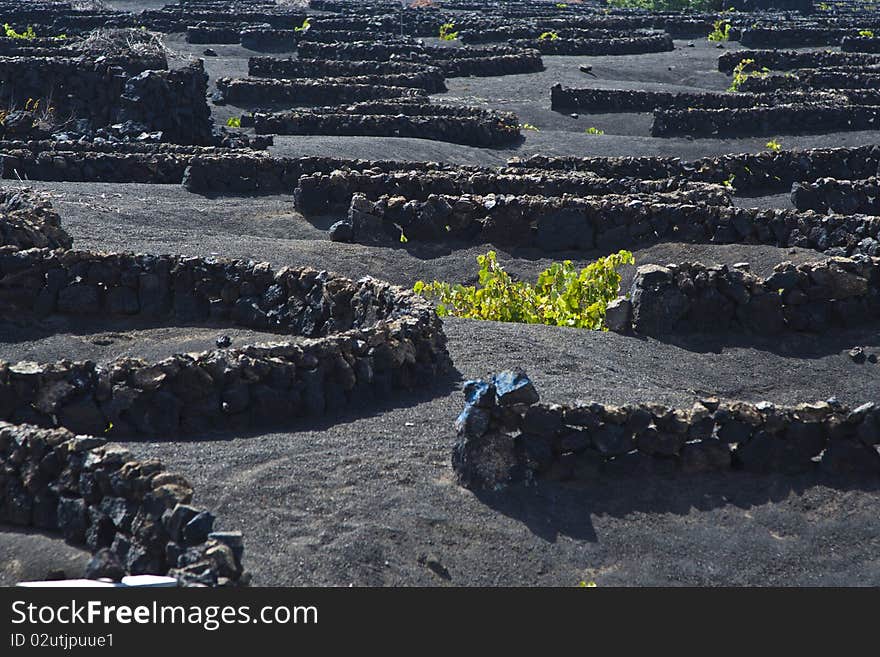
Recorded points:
366,498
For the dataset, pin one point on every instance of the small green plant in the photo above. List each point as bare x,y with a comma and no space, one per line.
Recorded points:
594,131
529,126
548,36
306,24
729,182
741,73
824,6
866,33
587,585
562,295
561,5
12,34
721,31
447,33
403,238
233,122
774,145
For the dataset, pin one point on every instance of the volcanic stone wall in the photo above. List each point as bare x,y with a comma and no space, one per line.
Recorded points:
626,100
27,221
606,223
254,173
460,125
506,436
793,37
359,340
597,47
801,118
326,91
814,297
860,44
454,62
107,91
750,171
74,86
135,514
268,67
269,40
839,196
804,79
786,60
320,192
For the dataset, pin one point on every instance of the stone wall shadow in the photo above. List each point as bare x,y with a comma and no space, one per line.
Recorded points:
554,509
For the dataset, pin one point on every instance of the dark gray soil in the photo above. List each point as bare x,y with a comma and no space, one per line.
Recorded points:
365,498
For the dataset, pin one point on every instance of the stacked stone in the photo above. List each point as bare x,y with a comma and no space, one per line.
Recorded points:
606,223
688,298
136,516
627,100
371,338
838,196
454,62
318,91
795,36
853,77
320,192
795,118
470,126
624,45
268,67
506,436
27,221
105,91
786,60
867,44
257,173
748,171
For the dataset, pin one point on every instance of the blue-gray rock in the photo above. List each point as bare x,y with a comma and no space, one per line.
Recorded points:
196,530
105,564
514,388
472,422
341,231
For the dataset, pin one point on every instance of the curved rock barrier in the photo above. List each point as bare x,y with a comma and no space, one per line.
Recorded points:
860,44
253,90
767,170
264,174
81,87
800,118
793,37
134,514
694,298
176,18
215,33
505,435
804,79
597,47
786,60
454,62
470,126
27,221
110,90
320,91
320,193
356,340
626,100
256,37
283,69
606,223
838,196
532,33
